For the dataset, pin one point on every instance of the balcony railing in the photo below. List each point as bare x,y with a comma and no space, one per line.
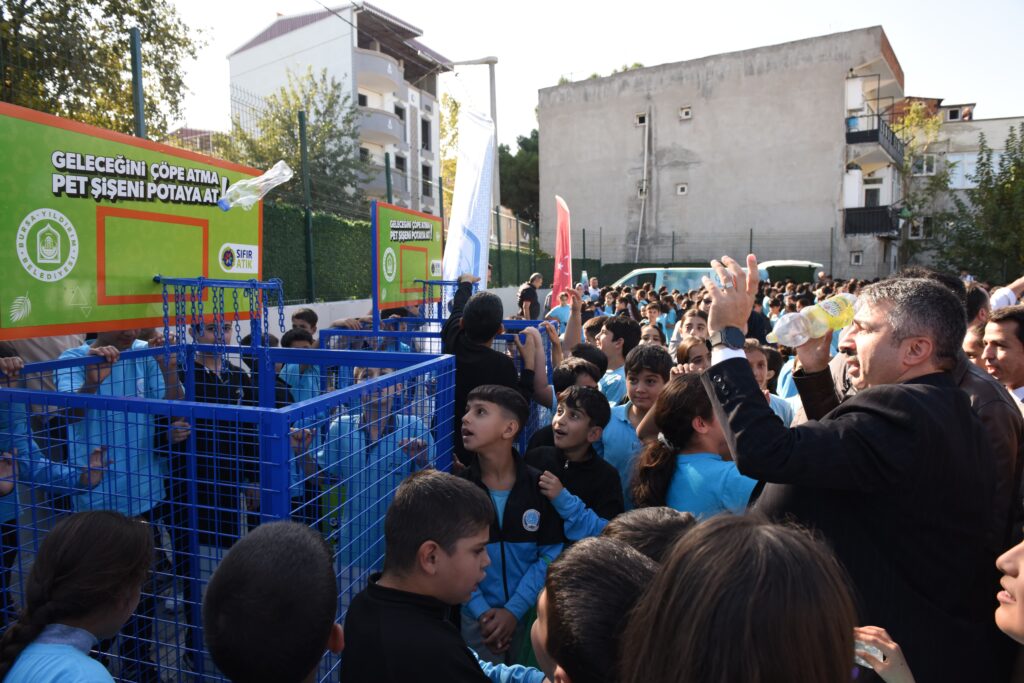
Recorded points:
871,220
875,128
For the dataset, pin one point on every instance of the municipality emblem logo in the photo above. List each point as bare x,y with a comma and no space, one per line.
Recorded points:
227,258
47,245
531,520
390,264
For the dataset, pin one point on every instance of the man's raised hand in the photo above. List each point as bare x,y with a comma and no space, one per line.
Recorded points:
732,301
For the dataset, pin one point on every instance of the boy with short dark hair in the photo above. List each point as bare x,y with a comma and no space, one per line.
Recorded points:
652,531
647,371
305,319
570,372
617,338
593,327
526,534
303,380
574,371
400,627
469,332
268,612
582,487
591,353
654,315
588,596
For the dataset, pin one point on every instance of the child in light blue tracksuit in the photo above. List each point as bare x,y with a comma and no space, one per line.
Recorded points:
369,453
22,461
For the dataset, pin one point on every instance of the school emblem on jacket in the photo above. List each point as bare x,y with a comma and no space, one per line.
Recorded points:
531,520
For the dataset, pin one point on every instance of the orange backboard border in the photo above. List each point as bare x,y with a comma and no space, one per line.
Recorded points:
426,271
33,116
102,213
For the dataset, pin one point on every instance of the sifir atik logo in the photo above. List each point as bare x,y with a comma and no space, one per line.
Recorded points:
239,258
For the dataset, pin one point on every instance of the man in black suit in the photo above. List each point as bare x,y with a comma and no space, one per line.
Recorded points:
898,479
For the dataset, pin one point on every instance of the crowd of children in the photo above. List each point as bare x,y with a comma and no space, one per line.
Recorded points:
617,546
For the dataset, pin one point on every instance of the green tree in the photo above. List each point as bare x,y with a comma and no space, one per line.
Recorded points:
926,201
449,132
627,67
72,58
332,136
520,177
987,235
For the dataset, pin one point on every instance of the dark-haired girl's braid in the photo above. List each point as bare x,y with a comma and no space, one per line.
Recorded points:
82,565
22,632
653,475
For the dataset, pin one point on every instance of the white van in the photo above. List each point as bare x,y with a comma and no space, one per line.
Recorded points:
683,279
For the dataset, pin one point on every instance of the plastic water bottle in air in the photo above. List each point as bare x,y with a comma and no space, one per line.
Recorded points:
245,193
815,321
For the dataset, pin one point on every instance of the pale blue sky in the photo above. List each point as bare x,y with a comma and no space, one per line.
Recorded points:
960,51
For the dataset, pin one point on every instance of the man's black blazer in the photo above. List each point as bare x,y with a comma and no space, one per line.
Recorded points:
899,481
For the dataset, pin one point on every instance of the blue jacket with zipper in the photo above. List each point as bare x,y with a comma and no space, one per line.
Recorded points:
521,549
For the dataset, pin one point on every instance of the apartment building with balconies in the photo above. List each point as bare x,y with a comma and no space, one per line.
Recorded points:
872,179
759,148
953,149
392,78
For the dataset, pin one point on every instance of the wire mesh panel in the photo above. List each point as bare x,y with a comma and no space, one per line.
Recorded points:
424,335
205,451
438,296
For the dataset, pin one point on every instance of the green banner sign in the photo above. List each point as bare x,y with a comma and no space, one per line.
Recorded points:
408,251
90,216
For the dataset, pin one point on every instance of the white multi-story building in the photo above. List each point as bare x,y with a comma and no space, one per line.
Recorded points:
392,78
786,149
955,148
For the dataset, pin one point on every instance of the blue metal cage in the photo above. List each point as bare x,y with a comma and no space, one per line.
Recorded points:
423,335
205,442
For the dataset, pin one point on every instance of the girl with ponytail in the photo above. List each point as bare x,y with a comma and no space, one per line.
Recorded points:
689,466
84,585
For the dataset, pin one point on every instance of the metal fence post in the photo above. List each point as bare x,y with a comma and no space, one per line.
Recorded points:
584,244
673,246
831,251
138,98
501,269
534,246
519,253
387,178
307,197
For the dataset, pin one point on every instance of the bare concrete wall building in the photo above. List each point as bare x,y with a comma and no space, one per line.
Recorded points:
731,151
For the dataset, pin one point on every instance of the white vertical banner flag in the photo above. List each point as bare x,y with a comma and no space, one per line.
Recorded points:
469,228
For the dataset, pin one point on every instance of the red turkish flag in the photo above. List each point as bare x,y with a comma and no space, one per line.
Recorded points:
562,279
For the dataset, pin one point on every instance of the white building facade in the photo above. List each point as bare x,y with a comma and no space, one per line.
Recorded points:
392,78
